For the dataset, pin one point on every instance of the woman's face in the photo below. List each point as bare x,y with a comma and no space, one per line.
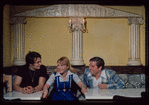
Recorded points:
62,68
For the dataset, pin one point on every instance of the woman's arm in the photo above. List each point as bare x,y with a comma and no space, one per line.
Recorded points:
45,90
80,83
47,85
82,86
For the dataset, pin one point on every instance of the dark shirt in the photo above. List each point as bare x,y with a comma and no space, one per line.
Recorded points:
31,78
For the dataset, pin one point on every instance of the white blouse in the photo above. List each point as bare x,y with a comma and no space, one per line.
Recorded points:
50,81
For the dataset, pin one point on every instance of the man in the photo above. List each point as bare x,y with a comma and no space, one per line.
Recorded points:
32,76
98,76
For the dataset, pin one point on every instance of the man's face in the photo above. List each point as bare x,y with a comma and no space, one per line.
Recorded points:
37,64
93,68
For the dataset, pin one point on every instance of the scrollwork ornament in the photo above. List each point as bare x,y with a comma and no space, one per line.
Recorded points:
64,10
77,25
17,20
134,20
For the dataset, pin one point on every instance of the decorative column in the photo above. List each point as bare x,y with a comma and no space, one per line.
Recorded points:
19,40
134,42
77,29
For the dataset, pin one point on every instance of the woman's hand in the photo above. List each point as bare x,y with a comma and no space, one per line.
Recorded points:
45,91
83,90
44,95
82,86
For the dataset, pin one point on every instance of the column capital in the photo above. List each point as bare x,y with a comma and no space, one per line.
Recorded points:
17,20
77,23
78,20
135,20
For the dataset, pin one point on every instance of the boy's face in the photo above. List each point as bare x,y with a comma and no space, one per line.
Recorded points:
37,64
93,68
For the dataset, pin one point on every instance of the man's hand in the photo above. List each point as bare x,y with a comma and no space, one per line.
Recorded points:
103,86
24,90
38,88
28,90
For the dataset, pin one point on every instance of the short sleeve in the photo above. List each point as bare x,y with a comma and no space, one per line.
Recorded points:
21,72
50,81
76,78
43,71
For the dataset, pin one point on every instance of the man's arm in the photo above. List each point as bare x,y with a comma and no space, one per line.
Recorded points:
117,83
41,83
16,85
84,78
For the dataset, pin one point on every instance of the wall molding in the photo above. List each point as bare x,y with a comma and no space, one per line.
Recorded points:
117,69
84,11
79,10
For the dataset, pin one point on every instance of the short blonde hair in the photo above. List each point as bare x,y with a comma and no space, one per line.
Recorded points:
65,61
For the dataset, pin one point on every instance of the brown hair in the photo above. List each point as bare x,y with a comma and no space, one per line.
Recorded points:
100,62
65,61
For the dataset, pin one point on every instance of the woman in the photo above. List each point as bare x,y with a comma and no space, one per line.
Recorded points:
62,77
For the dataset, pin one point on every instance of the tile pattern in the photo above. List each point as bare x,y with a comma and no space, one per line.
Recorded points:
131,80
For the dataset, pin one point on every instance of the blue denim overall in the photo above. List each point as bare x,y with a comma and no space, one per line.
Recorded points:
63,90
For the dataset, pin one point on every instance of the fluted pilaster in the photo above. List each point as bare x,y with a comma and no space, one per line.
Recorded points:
19,40
77,41
134,42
